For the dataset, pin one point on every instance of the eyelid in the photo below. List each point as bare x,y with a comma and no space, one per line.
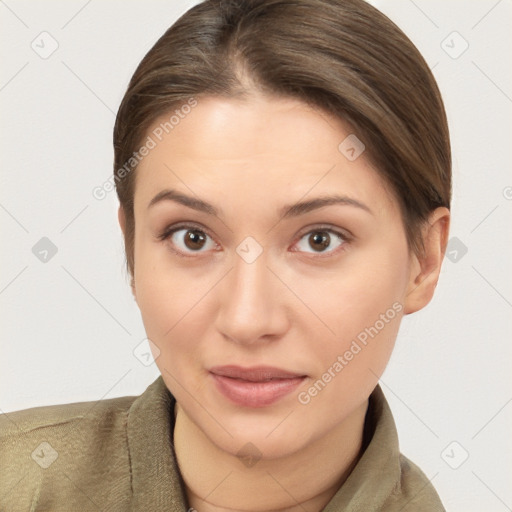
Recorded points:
169,230
344,234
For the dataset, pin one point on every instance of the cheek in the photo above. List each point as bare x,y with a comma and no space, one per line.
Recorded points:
162,291
171,302
354,296
362,306
170,321
347,367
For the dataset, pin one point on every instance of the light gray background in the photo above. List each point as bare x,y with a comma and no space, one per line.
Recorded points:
70,325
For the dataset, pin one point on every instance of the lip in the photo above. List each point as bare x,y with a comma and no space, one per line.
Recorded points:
257,386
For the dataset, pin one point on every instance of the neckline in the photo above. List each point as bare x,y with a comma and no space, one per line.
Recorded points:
156,479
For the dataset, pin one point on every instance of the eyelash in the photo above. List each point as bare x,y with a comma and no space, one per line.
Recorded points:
344,237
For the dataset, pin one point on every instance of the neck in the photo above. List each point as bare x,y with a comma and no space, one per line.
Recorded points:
217,481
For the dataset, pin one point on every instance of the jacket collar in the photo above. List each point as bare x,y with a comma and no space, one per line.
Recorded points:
377,474
156,480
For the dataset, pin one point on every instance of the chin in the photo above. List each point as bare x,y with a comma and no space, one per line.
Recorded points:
254,442
276,431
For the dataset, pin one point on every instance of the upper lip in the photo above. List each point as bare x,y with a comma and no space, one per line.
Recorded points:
254,373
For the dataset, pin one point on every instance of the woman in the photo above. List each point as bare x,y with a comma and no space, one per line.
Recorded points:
284,177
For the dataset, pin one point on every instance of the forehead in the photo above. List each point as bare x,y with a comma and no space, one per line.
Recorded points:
258,147
232,128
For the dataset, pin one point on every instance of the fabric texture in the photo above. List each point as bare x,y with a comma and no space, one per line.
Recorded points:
117,455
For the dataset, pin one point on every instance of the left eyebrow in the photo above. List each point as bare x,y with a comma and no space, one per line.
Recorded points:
296,209
287,211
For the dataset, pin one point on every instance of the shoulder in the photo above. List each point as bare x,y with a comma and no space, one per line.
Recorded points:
63,422
62,447
48,416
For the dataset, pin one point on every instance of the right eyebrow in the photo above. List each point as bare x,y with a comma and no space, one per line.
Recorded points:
190,202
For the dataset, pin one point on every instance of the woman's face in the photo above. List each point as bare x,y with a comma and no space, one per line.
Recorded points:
258,287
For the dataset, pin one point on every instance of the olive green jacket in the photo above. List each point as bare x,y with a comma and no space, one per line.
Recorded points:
117,455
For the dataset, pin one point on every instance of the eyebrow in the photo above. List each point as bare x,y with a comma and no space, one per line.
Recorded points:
287,211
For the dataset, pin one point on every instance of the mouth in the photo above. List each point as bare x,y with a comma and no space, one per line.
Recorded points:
256,386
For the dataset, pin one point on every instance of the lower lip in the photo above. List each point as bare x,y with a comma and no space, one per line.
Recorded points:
255,394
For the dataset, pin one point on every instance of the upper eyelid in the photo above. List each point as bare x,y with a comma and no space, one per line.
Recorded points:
199,227
344,233
177,227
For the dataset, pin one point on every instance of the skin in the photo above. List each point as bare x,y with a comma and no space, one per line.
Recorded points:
295,307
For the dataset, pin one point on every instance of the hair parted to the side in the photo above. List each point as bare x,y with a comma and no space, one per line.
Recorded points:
342,56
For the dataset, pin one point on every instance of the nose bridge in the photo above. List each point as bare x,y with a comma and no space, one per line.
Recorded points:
248,308
250,281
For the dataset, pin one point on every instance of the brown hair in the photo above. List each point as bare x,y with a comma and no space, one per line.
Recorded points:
343,56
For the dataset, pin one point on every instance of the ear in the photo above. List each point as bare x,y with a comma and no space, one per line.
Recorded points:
426,267
122,219
122,222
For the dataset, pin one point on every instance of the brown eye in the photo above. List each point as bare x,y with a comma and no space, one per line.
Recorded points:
186,240
320,240
194,239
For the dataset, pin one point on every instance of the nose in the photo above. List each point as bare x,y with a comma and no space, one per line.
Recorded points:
252,305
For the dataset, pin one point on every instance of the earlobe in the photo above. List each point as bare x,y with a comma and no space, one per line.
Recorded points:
426,267
122,222
132,285
121,218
